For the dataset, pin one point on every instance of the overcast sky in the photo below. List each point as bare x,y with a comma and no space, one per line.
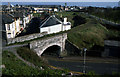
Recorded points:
60,0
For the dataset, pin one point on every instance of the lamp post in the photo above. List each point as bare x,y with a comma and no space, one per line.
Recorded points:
84,50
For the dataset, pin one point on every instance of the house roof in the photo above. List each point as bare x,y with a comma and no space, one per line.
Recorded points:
50,21
7,19
17,14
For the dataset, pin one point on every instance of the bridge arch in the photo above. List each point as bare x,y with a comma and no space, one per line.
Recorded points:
40,50
53,50
39,46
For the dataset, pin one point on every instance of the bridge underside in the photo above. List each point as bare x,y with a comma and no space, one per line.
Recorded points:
52,50
56,48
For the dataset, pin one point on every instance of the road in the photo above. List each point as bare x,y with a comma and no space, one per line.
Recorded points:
98,67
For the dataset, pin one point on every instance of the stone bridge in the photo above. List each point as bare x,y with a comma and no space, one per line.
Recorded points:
39,46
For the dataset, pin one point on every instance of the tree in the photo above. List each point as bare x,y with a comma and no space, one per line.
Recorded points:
78,20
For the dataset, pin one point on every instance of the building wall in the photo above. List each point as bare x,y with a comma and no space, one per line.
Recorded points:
55,28
17,25
27,19
11,32
66,27
55,10
24,23
52,29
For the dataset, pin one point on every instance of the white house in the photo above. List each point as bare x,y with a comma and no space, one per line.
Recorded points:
55,10
54,25
16,17
9,26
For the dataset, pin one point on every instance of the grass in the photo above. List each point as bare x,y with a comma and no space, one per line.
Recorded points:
31,56
88,34
15,67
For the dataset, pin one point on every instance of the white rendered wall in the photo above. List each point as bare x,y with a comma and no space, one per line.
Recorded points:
66,27
52,29
12,30
24,23
55,28
55,10
17,25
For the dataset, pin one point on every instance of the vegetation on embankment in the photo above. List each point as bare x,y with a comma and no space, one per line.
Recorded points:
16,67
88,34
31,56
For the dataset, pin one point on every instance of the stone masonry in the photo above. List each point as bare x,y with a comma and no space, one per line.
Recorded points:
39,46
25,38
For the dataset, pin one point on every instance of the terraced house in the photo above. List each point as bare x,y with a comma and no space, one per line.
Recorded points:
14,23
9,26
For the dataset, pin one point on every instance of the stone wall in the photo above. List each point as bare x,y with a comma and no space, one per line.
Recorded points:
39,46
71,48
25,38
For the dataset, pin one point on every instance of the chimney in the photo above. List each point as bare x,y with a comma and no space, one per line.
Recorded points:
65,20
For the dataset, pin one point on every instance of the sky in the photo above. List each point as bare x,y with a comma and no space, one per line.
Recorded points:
60,0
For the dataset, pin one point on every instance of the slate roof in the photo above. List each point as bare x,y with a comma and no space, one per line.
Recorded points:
7,19
52,20
17,14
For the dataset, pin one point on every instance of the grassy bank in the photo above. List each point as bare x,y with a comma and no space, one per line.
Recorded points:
31,56
15,67
88,34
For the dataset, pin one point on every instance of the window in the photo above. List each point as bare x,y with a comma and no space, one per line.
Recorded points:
8,26
9,35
